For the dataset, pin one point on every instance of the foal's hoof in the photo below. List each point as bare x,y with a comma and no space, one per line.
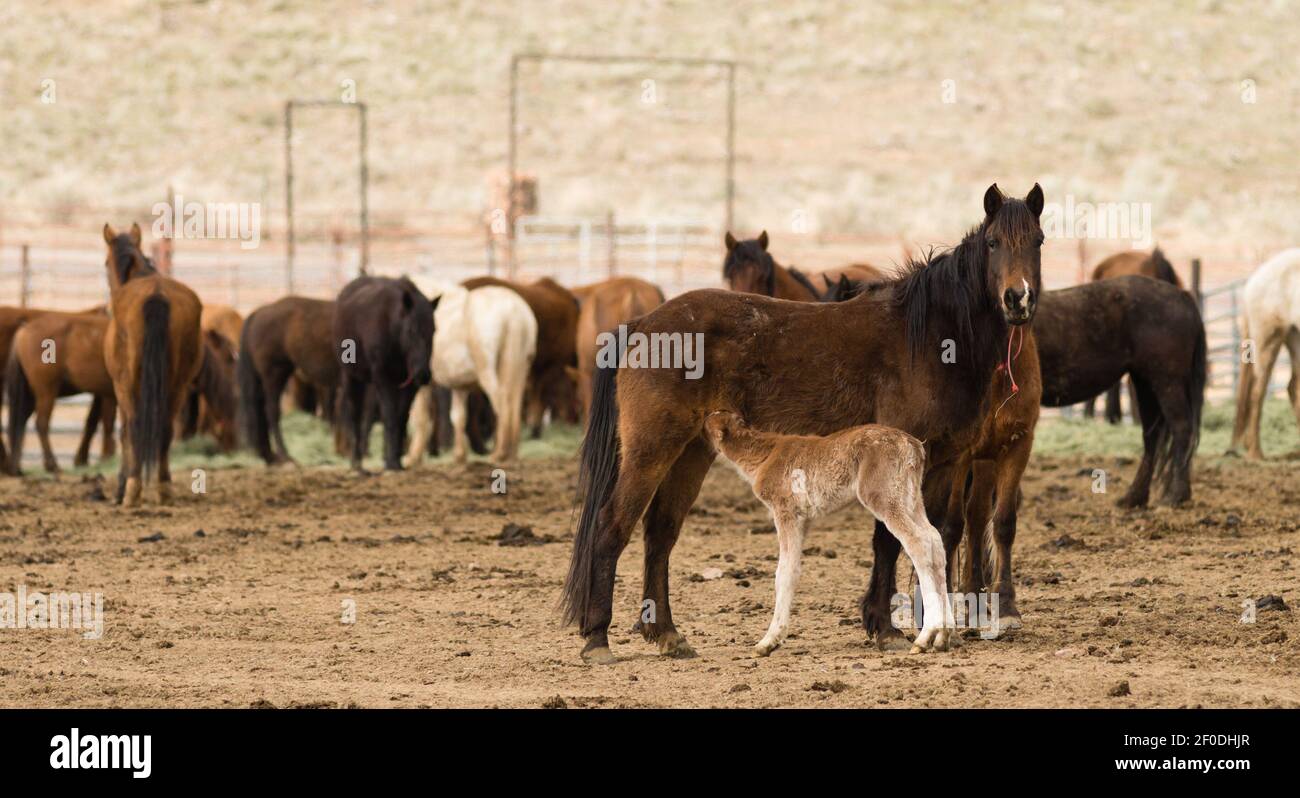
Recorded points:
943,640
672,644
765,648
601,655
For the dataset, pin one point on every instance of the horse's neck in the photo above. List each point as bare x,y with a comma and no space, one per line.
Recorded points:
785,286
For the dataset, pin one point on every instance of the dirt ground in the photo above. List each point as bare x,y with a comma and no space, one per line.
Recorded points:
242,601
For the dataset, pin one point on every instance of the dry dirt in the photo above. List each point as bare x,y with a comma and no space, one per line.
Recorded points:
250,612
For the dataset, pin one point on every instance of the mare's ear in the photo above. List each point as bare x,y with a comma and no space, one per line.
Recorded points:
135,235
993,199
1035,200
109,233
433,303
730,240
762,240
407,301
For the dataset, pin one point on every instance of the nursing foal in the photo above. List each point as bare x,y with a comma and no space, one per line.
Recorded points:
801,477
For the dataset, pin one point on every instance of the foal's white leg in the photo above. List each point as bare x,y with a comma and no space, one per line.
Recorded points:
790,530
924,547
459,400
420,426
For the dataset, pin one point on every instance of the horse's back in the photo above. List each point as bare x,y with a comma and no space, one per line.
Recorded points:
1272,292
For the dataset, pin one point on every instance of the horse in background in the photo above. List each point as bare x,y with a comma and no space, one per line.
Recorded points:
602,307
210,406
749,268
153,350
54,355
1145,329
483,339
556,311
1271,302
291,337
384,332
1157,267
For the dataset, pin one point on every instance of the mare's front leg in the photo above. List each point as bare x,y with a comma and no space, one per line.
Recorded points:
44,410
790,529
351,414
422,431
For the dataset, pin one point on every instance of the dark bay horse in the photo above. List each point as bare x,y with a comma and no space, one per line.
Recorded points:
383,333
289,338
749,268
916,353
153,350
1091,335
211,402
58,354
1157,267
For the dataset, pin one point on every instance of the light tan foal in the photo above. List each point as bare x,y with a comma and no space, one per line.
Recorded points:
801,477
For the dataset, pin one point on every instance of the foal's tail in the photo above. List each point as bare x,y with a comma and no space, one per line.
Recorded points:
597,476
22,402
149,428
253,425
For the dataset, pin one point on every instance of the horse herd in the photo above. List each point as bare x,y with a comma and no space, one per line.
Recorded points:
949,359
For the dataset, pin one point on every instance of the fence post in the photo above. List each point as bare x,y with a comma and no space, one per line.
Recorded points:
25,290
489,249
1083,262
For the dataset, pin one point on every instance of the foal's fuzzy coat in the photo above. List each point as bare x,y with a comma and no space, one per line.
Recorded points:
801,477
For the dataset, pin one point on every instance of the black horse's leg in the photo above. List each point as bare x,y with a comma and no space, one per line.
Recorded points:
353,399
1152,422
1178,418
390,401
88,434
663,525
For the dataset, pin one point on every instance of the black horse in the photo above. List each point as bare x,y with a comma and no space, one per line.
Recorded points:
383,331
1093,334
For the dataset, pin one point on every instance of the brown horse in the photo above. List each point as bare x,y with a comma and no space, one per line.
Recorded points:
54,355
153,349
549,386
1157,267
291,337
210,404
383,331
604,306
917,353
11,318
749,268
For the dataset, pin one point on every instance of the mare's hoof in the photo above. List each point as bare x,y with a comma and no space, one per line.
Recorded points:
601,655
672,644
892,640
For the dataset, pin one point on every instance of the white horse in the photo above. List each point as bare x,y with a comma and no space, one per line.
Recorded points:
1271,298
485,338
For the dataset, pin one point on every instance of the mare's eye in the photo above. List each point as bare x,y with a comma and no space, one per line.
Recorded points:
993,243
1041,238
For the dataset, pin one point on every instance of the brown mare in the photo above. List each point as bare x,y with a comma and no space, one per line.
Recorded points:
917,353
153,349
549,386
11,318
59,354
604,306
383,331
985,497
1157,267
291,337
749,268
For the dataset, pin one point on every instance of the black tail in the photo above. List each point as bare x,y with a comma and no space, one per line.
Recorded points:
597,476
151,426
22,403
252,401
